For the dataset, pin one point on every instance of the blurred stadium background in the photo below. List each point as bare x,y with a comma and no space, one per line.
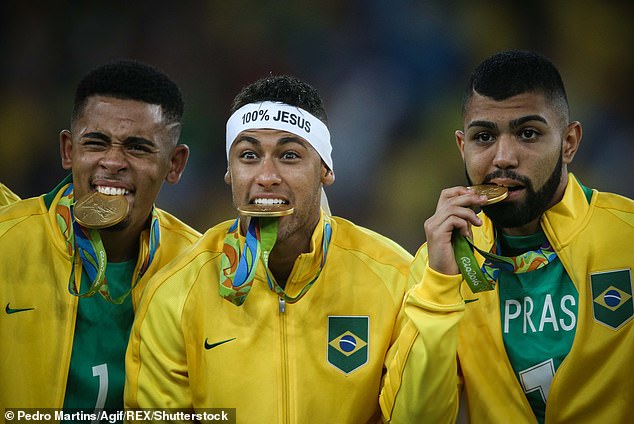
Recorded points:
391,74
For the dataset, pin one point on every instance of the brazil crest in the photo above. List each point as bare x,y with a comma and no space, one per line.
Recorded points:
348,341
612,297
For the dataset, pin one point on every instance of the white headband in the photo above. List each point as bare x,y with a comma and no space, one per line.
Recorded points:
280,116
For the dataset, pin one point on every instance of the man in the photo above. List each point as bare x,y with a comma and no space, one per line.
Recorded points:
294,331
552,342
7,196
66,327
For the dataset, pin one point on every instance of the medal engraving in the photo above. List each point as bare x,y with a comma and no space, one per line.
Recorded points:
494,193
253,209
99,210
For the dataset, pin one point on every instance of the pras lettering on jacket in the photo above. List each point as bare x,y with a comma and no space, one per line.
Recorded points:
533,316
282,116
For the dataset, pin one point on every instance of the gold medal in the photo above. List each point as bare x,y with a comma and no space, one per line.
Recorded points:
99,210
494,193
278,209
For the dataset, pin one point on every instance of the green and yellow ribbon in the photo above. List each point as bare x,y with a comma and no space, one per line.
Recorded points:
483,278
84,245
239,263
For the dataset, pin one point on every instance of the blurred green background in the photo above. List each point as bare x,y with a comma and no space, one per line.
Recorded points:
391,74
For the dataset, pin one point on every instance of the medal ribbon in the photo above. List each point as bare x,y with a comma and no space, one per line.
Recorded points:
483,279
238,269
88,253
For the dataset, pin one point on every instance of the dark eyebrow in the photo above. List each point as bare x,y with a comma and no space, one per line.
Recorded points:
298,140
127,141
138,140
97,135
283,140
483,124
513,124
248,139
519,121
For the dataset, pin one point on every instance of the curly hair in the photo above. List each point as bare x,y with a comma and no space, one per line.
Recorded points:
133,80
282,88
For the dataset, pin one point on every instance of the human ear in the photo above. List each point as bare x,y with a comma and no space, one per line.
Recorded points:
460,142
177,163
66,149
228,176
327,175
571,141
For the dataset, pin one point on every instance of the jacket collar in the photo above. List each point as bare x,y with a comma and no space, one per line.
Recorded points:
564,220
560,223
56,192
306,265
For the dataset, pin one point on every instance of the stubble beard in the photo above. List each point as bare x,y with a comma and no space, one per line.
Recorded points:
512,214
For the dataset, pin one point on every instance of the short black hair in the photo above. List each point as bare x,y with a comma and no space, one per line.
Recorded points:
509,73
131,80
282,88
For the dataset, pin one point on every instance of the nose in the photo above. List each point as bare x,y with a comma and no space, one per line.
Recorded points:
114,160
268,174
506,154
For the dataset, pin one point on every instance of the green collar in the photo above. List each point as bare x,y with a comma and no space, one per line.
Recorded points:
50,196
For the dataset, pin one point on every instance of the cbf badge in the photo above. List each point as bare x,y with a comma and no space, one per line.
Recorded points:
612,297
348,339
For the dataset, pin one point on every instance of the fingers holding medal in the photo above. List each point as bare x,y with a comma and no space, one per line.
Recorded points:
494,193
455,213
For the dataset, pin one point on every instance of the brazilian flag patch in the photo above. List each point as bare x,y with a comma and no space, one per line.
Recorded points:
348,339
612,297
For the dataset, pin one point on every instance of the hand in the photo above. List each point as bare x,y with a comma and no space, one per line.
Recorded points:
453,212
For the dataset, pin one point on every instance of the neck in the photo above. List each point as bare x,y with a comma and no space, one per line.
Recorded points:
286,251
525,230
121,245
282,265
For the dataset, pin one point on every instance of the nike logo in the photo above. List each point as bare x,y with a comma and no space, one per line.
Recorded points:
212,345
10,310
470,300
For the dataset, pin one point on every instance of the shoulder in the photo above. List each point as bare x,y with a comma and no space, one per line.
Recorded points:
601,202
363,241
613,203
213,239
612,214
204,248
585,212
7,196
172,226
21,212
175,280
23,207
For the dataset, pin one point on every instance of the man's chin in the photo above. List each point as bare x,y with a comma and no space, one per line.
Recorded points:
509,214
119,226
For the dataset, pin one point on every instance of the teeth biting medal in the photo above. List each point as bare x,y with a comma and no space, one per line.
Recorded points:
98,210
266,210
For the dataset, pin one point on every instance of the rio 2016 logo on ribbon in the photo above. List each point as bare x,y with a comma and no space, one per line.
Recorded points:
612,297
348,342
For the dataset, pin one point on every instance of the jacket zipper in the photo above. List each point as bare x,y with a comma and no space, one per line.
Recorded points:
285,413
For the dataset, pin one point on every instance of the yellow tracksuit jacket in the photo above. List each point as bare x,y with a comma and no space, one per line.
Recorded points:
34,273
191,348
594,241
7,196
